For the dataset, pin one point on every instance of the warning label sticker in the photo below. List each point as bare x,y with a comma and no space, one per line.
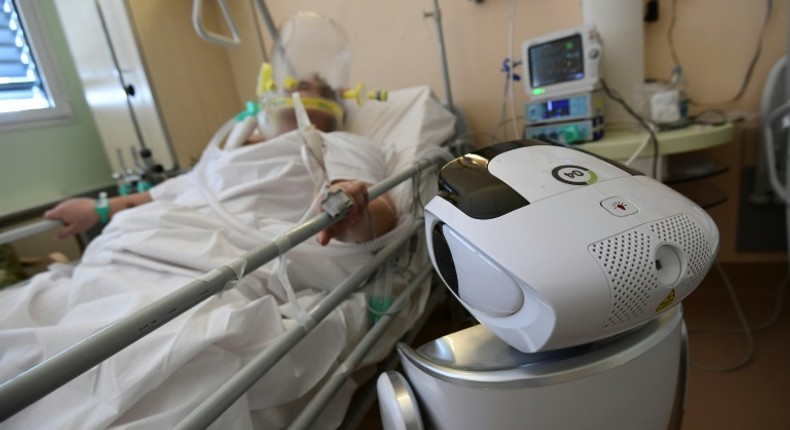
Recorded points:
668,300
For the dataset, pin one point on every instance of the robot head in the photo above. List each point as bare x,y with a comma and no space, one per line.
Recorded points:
552,247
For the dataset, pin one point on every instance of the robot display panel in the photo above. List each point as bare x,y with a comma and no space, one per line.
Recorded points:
556,61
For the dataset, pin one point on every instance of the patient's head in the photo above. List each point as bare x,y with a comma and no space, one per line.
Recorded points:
321,103
313,51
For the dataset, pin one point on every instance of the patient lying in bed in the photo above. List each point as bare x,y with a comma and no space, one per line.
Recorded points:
352,164
159,241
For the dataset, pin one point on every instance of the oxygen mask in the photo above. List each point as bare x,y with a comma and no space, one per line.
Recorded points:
310,58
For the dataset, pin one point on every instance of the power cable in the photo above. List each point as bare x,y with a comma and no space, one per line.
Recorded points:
745,328
614,95
749,71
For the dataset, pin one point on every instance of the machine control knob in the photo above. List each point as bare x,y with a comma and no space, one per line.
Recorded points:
571,134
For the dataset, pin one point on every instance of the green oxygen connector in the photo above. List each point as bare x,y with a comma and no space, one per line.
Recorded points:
379,306
251,109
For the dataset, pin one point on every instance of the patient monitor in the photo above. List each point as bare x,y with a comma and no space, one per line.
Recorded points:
563,81
575,266
562,62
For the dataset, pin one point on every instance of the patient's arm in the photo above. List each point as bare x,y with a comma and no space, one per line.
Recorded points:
366,221
79,214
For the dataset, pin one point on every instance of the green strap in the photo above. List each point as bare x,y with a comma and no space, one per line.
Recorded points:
104,212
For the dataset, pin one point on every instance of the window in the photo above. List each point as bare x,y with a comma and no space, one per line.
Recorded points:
30,87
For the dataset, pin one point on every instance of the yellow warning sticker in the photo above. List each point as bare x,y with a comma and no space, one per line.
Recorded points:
668,300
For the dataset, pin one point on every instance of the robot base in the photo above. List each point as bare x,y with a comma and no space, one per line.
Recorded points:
472,380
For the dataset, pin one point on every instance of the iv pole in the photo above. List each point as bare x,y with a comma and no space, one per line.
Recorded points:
436,14
149,168
461,125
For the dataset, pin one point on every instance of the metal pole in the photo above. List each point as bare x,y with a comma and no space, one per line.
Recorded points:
267,19
46,377
30,386
368,393
208,36
437,17
208,411
28,230
341,375
121,80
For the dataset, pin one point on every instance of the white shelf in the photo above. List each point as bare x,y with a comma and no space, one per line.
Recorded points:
620,144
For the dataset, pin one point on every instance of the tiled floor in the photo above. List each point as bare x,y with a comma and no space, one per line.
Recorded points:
756,396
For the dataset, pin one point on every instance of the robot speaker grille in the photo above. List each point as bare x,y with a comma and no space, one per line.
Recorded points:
628,264
628,261
681,230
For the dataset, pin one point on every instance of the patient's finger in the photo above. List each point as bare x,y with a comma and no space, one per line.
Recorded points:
356,190
66,231
361,191
323,237
52,213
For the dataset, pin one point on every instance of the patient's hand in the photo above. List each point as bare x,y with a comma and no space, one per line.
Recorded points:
77,214
357,191
366,221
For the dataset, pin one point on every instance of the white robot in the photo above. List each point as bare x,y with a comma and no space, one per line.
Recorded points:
574,266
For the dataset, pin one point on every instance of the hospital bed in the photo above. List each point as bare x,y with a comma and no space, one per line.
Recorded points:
413,126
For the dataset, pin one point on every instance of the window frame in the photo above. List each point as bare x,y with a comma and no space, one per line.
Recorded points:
49,71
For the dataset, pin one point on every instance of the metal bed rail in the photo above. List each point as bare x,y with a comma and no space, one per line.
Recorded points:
35,383
367,394
28,230
202,416
346,369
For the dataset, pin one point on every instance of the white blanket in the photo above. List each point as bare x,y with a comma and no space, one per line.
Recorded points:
146,253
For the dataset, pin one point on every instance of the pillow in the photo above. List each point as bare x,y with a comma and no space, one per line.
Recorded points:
409,122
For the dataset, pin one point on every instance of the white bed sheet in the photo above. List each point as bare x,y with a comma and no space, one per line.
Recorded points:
161,378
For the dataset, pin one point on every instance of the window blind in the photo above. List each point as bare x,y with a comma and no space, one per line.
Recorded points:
20,83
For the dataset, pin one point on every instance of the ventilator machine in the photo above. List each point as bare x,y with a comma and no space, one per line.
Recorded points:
574,266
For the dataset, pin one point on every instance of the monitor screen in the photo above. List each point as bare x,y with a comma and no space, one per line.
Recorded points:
556,61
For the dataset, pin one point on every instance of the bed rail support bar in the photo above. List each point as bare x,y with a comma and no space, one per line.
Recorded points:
346,369
28,387
35,383
28,230
219,401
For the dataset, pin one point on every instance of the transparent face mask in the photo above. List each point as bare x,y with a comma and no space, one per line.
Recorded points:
309,45
311,57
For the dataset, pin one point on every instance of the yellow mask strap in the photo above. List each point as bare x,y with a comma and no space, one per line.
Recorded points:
265,80
324,105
